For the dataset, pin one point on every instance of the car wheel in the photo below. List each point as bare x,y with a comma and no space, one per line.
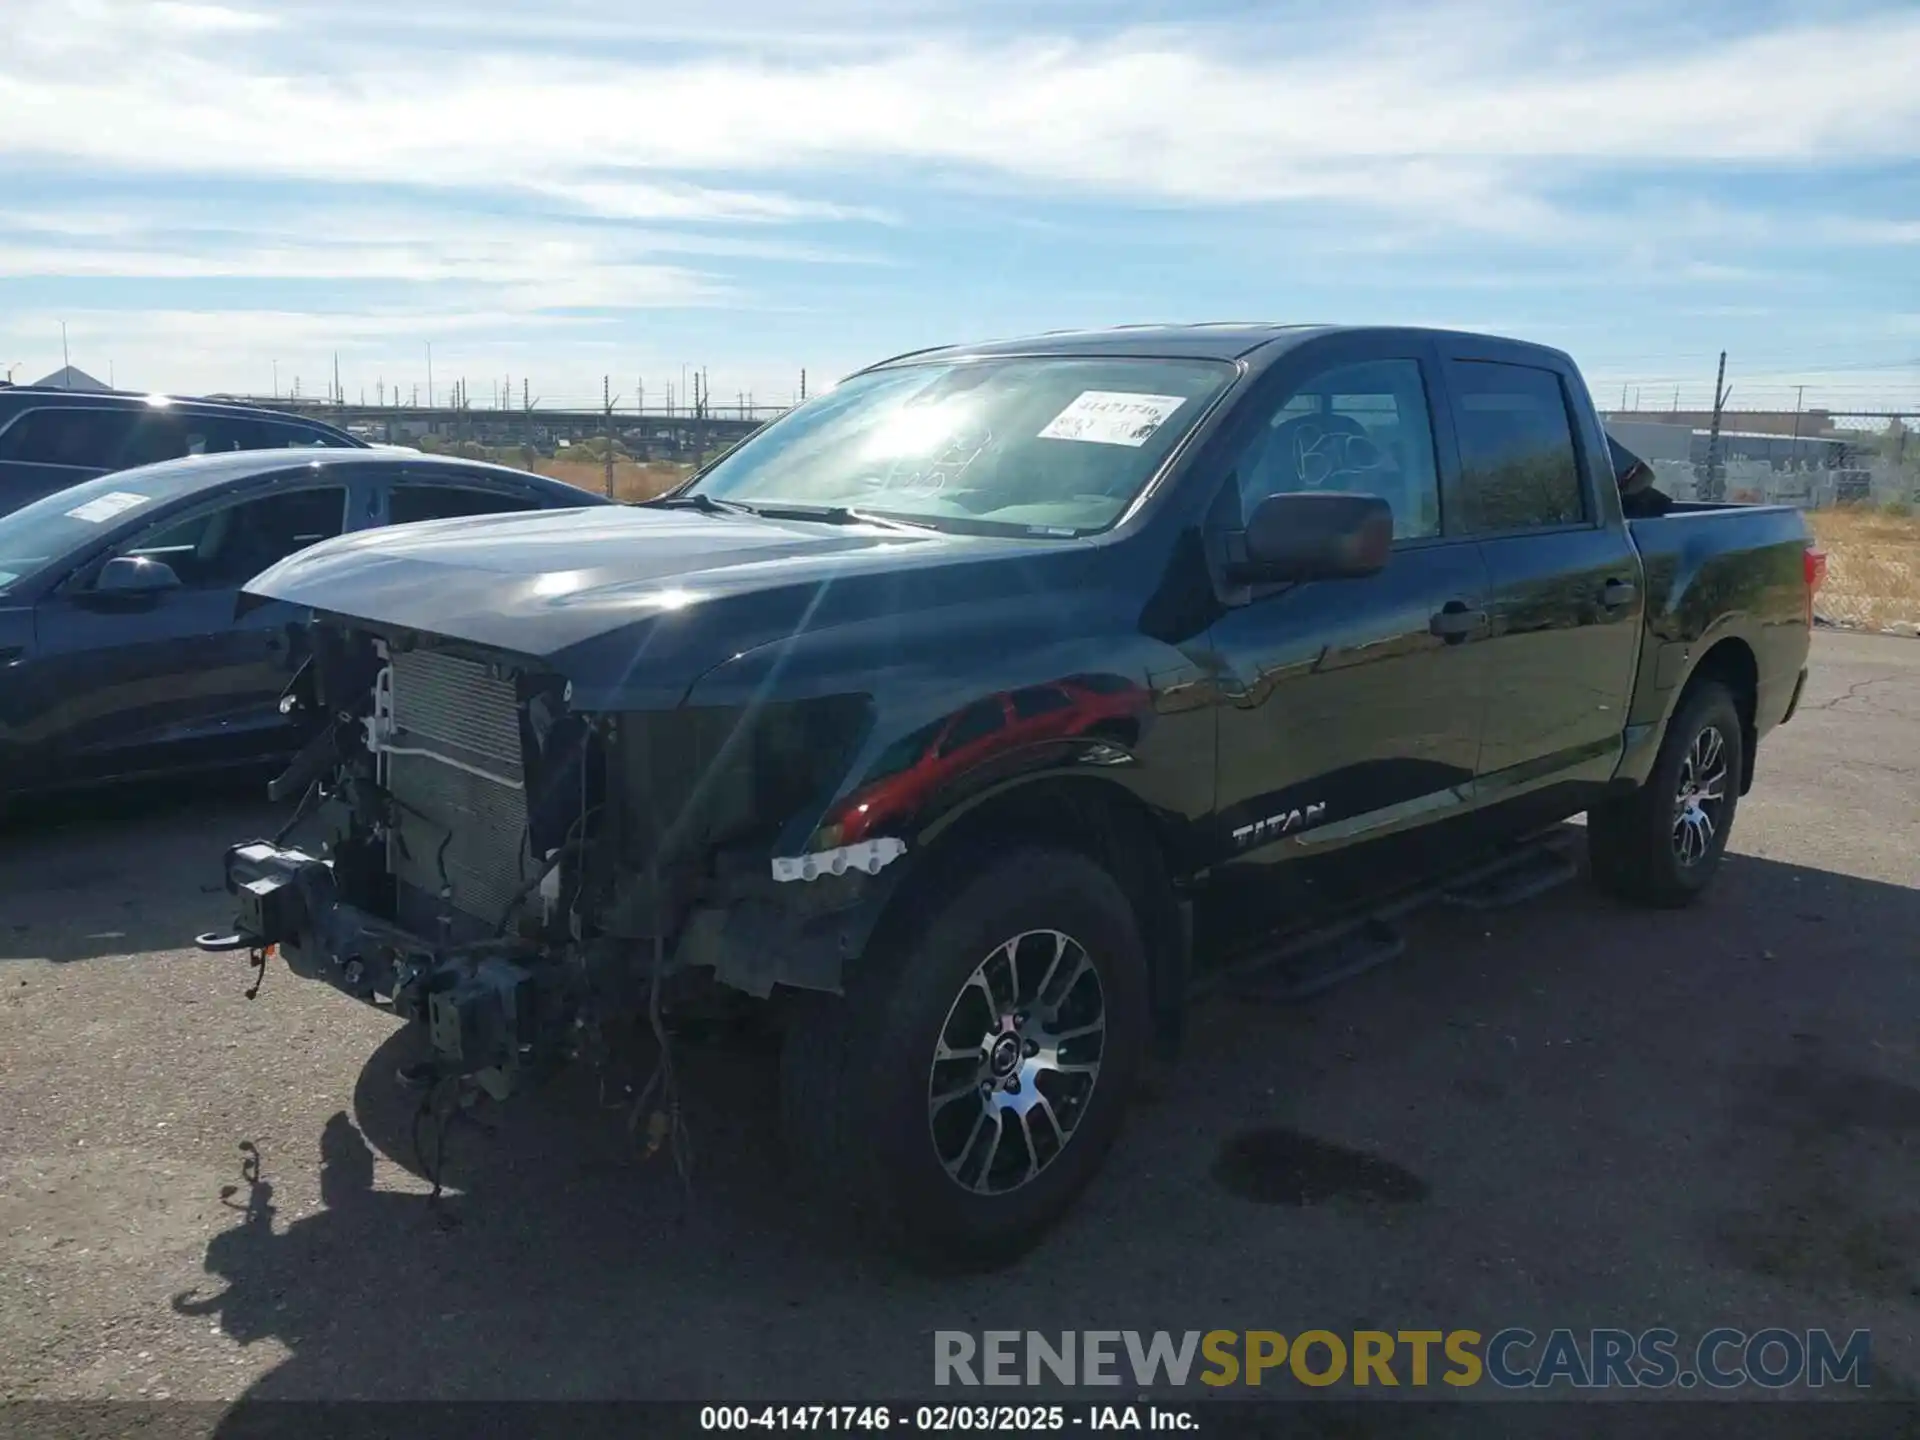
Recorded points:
1661,845
967,1086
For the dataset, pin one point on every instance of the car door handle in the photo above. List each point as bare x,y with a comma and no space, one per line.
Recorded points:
1616,593
1454,622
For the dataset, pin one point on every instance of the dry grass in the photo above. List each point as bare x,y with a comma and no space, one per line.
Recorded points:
632,480
1873,566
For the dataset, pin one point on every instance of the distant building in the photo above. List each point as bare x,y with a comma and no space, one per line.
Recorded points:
1651,440
1752,422
71,377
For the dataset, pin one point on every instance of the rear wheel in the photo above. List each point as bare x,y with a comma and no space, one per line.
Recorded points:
1661,845
967,1087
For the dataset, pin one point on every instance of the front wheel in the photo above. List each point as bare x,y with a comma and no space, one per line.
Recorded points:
967,1087
1661,845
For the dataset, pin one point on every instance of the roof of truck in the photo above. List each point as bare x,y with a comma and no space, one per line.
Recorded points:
1218,340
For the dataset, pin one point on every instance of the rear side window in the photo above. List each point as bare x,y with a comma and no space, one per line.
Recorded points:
68,435
276,436
1519,468
447,502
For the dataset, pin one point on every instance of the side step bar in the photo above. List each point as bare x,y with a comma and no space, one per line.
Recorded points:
1305,965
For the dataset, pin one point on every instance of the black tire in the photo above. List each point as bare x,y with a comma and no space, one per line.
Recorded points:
1635,843
858,1071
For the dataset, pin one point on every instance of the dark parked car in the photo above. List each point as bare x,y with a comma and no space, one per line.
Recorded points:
1342,608
121,652
50,438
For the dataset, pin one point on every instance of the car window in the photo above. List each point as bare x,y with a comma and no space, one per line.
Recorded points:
222,549
1357,429
1039,700
275,435
69,435
976,722
1517,459
445,502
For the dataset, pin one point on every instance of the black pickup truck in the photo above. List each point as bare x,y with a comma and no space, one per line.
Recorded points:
961,719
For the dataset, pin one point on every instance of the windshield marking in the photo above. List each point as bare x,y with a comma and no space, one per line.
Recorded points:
102,508
1112,417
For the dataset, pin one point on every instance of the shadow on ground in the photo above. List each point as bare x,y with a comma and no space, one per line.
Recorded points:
564,1267
74,889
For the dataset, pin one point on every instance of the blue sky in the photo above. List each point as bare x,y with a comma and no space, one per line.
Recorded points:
201,190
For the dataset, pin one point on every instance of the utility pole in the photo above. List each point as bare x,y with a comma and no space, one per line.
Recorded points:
606,427
1793,454
699,416
640,395
1713,433
66,365
339,395
803,385
276,379
1623,394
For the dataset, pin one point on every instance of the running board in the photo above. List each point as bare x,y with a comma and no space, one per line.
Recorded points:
1318,962
1520,877
1307,964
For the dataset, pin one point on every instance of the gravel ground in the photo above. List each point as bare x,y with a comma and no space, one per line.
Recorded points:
1581,1116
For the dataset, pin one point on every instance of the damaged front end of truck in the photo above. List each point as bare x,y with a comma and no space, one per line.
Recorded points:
512,872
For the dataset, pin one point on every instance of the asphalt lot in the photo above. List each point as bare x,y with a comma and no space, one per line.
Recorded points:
1590,1116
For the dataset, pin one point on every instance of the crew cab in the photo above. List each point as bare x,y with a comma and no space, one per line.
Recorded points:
966,714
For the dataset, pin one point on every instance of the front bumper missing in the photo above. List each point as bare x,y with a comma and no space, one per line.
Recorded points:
485,1011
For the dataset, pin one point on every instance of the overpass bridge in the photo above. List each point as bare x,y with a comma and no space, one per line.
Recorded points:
653,434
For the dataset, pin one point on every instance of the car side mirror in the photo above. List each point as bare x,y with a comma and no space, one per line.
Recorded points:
1310,535
135,575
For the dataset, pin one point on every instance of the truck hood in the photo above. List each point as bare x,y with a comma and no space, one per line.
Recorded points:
632,604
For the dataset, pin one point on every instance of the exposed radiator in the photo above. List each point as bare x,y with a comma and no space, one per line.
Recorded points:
454,769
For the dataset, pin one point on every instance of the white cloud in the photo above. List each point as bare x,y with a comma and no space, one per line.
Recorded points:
1425,114
209,19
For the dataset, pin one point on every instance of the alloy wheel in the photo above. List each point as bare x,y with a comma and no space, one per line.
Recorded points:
1700,799
1016,1062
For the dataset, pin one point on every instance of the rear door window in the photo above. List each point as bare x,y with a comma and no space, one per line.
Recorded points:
70,435
1519,468
446,502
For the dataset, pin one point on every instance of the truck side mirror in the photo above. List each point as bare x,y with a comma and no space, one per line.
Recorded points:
1312,535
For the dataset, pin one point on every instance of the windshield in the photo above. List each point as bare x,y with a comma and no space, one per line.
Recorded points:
54,526
1047,445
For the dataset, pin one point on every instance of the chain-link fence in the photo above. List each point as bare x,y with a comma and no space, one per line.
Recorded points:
1873,566
1866,517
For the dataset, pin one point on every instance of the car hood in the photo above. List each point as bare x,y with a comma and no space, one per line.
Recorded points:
632,604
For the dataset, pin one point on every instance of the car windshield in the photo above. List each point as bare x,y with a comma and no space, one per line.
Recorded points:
1034,445
49,529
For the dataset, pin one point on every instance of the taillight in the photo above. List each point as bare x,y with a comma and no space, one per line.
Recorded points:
1816,569
1816,573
